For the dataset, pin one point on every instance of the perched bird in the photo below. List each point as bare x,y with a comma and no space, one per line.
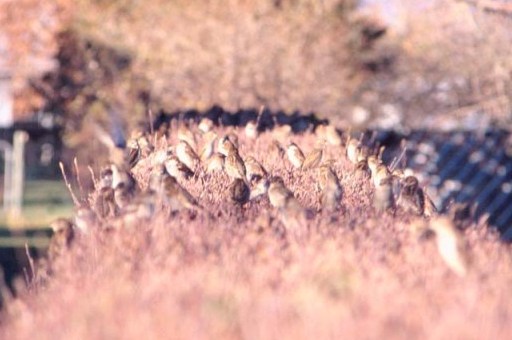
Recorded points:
177,169
187,155
251,129
330,187
239,192
105,178
352,150
259,187
329,133
178,197
277,150
226,145
278,194
411,197
292,213
382,172
235,167
84,219
208,145
122,176
186,135
62,238
122,195
362,169
215,163
450,244
373,163
255,171
105,204
205,125
313,159
384,199
295,155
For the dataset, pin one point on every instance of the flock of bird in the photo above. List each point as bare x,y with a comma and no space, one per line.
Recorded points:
125,202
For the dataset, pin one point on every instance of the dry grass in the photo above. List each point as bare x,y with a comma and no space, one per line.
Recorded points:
238,273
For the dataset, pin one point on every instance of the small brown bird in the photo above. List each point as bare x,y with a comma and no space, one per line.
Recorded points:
185,134
178,197
373,163
235,167
384,199
352,150
226,146
277,150
313,159
382,173
208,145
362,169
251,129
122,195
205,125
255,171
84,219
292,213
259,187
239,192
450,244
329,133
411,197
121,175
187,155
62,238
177,169
330,187
295,155
105,204
105,178
215,163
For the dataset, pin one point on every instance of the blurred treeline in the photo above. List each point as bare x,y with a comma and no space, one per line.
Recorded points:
423,61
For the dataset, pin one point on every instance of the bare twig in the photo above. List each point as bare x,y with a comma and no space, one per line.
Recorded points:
68,185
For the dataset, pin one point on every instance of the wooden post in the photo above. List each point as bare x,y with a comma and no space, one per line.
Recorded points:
6,148
18,172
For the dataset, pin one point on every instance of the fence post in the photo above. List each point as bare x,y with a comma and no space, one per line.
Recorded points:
18,172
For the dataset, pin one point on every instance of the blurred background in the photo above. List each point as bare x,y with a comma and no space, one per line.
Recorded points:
406,66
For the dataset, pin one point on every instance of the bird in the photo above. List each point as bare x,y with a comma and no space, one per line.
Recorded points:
251,129
120,175
295,155
384,199
277,150
62,238
215,163
373,163
105,204
84,219
105,178
208,145
329,133
362,169
382,172
450,244
187,155
292,214
259,187
239,192
205,125
352,149
234,166
178,169
226,145
313,159
411,197
122,195
186,135
255,171
178,197
330,187
278,194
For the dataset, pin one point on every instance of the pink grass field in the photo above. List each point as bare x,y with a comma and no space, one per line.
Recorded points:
233,273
